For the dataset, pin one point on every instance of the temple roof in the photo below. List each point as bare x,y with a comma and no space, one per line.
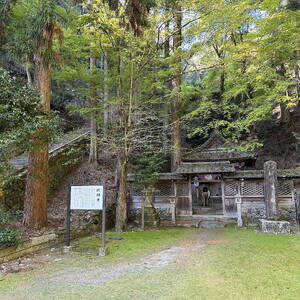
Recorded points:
217,149
281,173
205,167
248,174
215,141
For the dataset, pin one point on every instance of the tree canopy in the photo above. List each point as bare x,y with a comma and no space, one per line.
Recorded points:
153,77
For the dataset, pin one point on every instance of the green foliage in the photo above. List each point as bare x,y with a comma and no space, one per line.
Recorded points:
9,236
146,171
10,216
242,55
21,117
6,217
31,31
251,52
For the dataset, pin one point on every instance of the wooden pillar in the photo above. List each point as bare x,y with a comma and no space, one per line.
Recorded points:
173,204
175,197
270,184
223,195
190,194
173,210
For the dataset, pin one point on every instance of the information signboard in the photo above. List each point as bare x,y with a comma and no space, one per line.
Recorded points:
89,197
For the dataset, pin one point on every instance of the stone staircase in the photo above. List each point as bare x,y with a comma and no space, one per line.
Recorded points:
202,221
62,144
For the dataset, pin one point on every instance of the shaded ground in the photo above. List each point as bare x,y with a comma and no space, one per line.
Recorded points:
82,174
168,264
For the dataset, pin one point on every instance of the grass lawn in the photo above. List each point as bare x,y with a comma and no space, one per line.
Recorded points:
135,243
246,266
235,264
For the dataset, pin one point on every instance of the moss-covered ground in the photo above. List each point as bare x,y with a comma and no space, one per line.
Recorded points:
234,264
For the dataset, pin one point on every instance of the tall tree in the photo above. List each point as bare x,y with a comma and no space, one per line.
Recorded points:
43,30
176,85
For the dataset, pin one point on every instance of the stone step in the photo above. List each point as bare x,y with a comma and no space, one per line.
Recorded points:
203,221
207,218
212,224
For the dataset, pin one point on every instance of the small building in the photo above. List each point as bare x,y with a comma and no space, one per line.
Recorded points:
212,179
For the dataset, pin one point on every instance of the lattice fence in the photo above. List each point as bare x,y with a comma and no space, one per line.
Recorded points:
285,188
252,188
164,189
136,191
231,188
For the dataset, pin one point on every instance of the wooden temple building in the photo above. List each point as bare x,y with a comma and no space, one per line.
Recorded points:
226,177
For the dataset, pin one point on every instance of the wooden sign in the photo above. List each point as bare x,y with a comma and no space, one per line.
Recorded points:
87,197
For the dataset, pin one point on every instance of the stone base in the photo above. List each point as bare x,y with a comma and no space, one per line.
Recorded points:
66,249
274,227
103,251
151,218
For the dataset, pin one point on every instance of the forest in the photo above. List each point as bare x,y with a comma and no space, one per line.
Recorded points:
150,79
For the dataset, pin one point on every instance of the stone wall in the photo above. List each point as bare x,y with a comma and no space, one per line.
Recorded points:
253,211
60,164
134,213
287,210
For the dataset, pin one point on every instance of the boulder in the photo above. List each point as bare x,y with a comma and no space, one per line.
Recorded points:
274,227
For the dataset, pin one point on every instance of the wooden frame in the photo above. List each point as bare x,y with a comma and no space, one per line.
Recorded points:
223,195
190,194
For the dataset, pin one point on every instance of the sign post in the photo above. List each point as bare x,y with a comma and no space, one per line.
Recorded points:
87,197
68,233
102,249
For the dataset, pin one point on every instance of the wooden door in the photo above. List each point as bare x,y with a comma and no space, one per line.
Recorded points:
231,192
183,197
183,206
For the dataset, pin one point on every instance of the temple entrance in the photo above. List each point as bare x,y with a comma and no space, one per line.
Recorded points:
207,198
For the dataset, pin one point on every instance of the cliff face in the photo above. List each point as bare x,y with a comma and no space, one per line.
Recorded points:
281,140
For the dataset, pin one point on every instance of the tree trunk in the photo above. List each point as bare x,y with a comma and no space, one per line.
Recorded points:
93,157
36,196
36,193
106,93
121,213
176,82
222,83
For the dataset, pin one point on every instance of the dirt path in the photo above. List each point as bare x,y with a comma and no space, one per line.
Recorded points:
78,276
102,274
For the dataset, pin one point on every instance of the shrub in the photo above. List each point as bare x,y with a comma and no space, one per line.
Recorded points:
9,236
10,216
6,217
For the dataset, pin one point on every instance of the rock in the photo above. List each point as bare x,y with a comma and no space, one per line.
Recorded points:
102,251
274,227
57,259
116,238
66,249
60,229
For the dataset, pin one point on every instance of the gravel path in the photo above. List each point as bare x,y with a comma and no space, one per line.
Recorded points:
76,276
101,275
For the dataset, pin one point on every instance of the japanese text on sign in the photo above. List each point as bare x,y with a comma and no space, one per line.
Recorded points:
89,197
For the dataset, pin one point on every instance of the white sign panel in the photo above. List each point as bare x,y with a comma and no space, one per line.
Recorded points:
87,197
